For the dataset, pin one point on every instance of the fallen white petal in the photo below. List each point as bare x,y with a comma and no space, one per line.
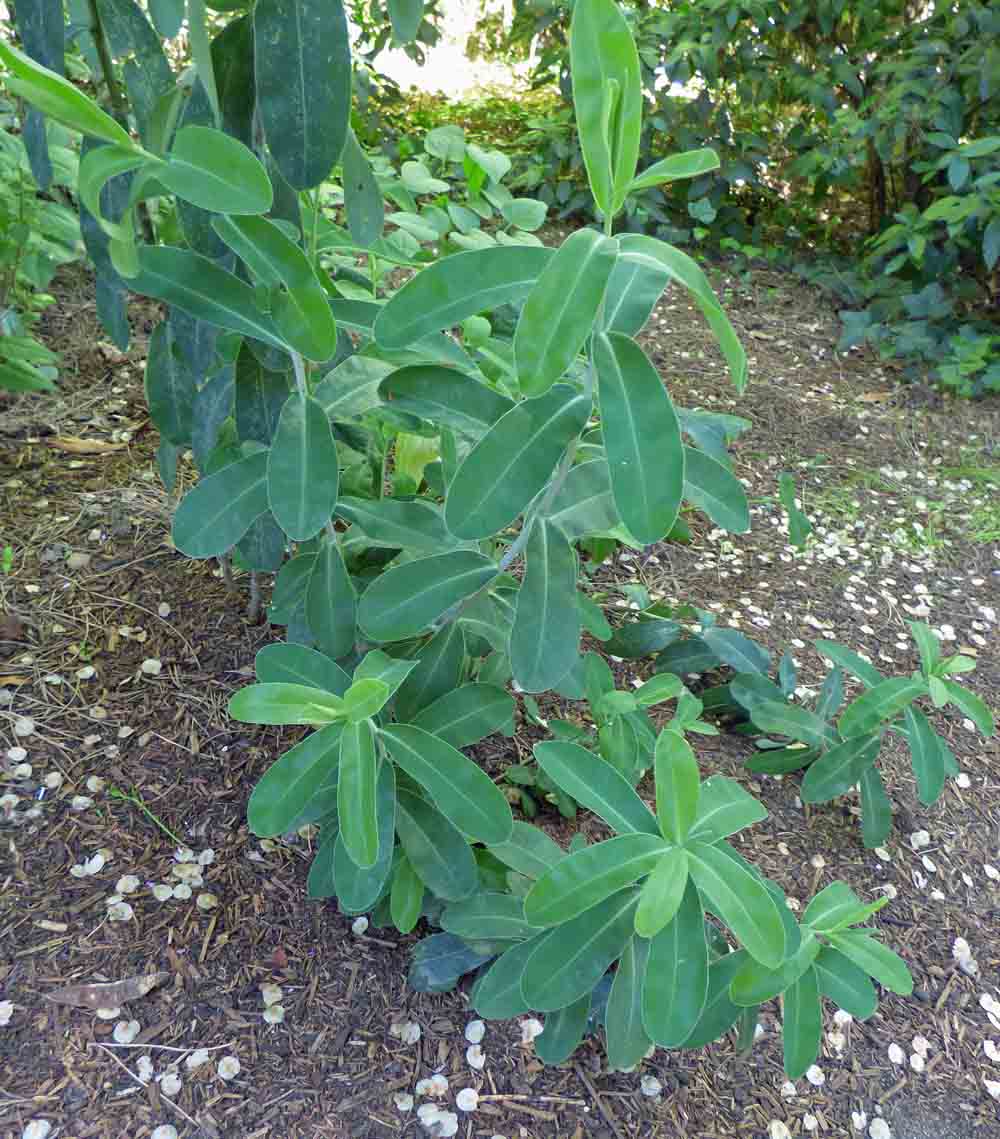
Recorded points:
650,1086
197,1059
228,1067
164,1131
896,1054
127,884
274,1014
814,1074
879,1129
37,1129
170,1083
107,1013
162,892
126,1031
778,1130
475,1030
403,1101
809,1122
144,1069
6,1012
530,1028
359,926
152,667
120,911
475,1057
467,1099
270,993
788,1090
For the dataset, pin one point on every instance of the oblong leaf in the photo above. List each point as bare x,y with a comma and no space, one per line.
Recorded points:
888,968
791,720
439,854
564,1029
288,785
497,993
676,984
359,888
845,983
303,475
331,603
678,785
642,438
926,755
662,893
216,172
407,896
723,809
839,769
687,165
438,670
215,514
627,1041
285,704
513,461
528,851
883,702
716,491
356,798
488,916
439,961
296,664
876,808
632,294
719,1013
170,386
446,397
363,201
801,1025
390,522
467,714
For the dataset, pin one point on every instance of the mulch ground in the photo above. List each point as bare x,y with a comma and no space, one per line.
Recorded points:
122,655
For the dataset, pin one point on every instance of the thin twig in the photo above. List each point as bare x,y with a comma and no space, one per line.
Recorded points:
171,1048
142,1083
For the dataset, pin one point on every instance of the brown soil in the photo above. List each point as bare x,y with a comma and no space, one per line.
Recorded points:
332,1067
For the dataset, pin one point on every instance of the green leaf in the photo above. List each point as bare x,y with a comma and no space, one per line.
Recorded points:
736,650
723,809
201,52
406,17
690,164
596,785
200,287
285,704
529,851
716,491
883,702
98,165
676,986
733,894
302,471
755,983
585,504
526,214
497,993
170,384
438,670
296,664
607,98
927,643
445,397
216,514
440,856
363,200
719,1013
642,637
662,893
59,99
837,907
396,524
658,689
167,15
799,526
447,291
439,961
359,887
845,983
302,72
461,790
513,461
584,879
627,1042
875,959
677,785
970,705
563,1033
876,809
488,916
407,896
356,805
331,604
791,720
559,312
467,714
545,638
632,293
925,755
839,769
801,1025
216,172
850,662
404,600
320,883
686,272
290,782
641,436
379,666
364,699
569,960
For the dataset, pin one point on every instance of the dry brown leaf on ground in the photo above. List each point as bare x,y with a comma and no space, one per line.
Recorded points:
875,397
109,994
74,445
13,680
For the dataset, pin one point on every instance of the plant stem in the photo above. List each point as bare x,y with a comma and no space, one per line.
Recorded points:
136,801
301,383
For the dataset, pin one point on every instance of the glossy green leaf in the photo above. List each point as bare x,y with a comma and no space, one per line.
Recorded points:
607,98
719,1013
302,471
438,670
584,879
564,1029
569,960
627,1042
737,650
320,882
837,907
467,714
926,755
884,702
715,491
686,272
407,896
689,164
461,790
545,637
723,809
875,959
632,293
302,69
801,1025
398,524
792,720
755,983
363,200
528,851
559,312
364,699
676,985
850,662
440,960
57,98
218,511
98,166
497,993
404,600
513,461
215,172
839,769
488,916
201,53
678,785
440,856
356,798
200,287
285,704
290,783
447,291
641,436
379,666
331,603
662,893
876,809
296,664
596,785
845,983
170,385
741,900
585,504
446,397
359,888
969,704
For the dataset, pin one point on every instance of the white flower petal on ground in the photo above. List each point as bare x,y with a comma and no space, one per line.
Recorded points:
6,1012
81,802
23,771
475,1030
197,1059
433,1086
164,1131
17,754
359,926
842,1018
917,1062
95,784
228,1068
428,1114
108,1013
921,1045
163,609
858,1120
650,1086
182,891
37,1129
24,726
144,1069
270,993
814,1074
151,667
184,854
127,884
530,1028
162,892
475,1057
879,1129
170,1083
467,1099
809,1122
993,1087
126,1031
962,780
778,1130
206,857
403,1101
896,1054
989,1046
274,1014
53,780
918,840
120,911
788,1090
